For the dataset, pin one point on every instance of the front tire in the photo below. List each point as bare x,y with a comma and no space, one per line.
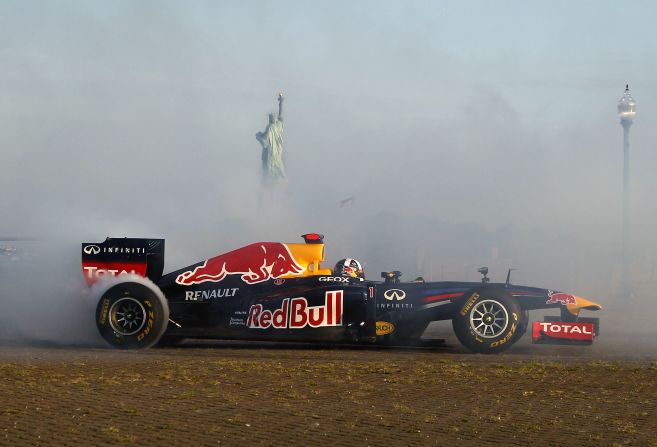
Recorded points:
488,321
523,324
132,314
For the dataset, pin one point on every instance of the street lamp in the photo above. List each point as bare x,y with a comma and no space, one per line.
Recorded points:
626,111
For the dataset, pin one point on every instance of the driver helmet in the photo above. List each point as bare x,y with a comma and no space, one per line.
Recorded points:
349,268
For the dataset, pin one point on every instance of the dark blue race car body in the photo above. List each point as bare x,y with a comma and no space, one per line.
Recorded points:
276,291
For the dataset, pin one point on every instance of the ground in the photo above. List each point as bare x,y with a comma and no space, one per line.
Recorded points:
231,393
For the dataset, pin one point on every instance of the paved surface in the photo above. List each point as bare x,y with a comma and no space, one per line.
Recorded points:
246,394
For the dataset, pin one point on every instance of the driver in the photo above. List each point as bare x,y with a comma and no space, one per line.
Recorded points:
349,268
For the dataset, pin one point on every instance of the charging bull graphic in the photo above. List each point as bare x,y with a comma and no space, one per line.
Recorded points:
562,298
256,263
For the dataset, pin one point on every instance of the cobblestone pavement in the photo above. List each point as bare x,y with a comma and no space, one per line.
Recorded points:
241,394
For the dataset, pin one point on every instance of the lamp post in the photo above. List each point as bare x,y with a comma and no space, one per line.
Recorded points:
626,111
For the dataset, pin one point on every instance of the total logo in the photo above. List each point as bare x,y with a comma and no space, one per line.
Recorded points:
545,331
295,313
556,328
394,294
93,273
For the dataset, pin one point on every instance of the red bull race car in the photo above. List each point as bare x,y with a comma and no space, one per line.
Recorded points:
279,291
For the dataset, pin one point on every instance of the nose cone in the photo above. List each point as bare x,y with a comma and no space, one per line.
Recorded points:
582,303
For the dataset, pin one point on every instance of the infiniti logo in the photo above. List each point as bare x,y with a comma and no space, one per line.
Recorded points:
91,249
394,294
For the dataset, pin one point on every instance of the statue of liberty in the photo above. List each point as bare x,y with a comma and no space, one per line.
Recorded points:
271,140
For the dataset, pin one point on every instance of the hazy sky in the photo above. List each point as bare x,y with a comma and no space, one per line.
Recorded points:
493,120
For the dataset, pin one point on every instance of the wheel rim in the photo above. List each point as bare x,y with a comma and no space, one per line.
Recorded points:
489,318
127,316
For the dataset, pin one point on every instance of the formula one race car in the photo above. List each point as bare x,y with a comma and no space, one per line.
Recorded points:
277,291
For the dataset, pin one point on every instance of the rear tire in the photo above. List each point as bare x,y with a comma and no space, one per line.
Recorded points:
132,313
488,321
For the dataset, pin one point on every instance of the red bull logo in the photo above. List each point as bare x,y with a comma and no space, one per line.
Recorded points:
560,298
256,263
295,313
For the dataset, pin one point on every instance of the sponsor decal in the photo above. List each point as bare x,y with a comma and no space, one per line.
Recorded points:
236,322
97,270
295,313
204,295
556,328
560,298
334,279
559,332
371,292
96,250
149,323
394,294
506,338
468,304
91,249
103,311
279,281
384,328
256,263
394,306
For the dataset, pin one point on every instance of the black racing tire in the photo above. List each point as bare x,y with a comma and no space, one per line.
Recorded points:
488,320
523,324
132,313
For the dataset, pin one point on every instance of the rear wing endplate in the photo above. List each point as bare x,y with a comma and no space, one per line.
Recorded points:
117,256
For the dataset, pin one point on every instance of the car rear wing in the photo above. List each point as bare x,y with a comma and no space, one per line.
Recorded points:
117,256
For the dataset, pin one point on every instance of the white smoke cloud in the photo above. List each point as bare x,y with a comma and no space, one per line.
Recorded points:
461,144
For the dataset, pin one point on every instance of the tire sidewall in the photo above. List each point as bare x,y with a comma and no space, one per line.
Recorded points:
473,341
156,315
523,324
